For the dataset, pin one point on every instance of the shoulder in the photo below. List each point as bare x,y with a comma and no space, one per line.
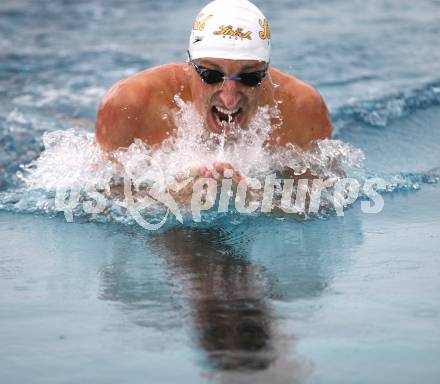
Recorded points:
305,114
297,95
130,105
117,115
138,88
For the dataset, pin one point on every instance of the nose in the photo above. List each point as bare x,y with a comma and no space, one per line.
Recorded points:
229,94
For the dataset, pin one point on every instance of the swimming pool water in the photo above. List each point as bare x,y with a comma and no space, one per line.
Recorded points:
243,299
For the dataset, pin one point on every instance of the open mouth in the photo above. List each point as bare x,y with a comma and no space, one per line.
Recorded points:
225,118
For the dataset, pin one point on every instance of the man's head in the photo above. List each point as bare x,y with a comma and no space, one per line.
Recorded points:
229,50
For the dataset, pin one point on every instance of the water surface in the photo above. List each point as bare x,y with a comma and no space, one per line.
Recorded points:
239,299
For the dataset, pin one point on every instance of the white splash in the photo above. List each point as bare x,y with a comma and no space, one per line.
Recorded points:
72,159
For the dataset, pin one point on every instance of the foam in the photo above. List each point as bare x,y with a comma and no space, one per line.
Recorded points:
71,159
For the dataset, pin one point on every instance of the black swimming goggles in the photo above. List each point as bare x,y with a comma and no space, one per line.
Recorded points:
212,76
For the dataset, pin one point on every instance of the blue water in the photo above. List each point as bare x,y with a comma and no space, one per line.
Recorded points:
240,299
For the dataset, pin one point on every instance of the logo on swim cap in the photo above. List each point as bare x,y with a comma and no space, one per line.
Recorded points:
231,29
199,24
265,33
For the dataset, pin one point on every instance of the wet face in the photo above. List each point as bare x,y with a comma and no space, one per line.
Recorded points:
228,104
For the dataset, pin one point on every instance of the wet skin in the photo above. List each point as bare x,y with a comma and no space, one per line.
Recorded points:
141,106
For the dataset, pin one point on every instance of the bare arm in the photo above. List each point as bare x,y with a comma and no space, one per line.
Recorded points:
139,107
119,119
320,124
305,117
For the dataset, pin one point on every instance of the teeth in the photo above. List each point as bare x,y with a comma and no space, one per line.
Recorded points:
224,123
227,111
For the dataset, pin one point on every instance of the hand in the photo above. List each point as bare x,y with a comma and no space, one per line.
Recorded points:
218,171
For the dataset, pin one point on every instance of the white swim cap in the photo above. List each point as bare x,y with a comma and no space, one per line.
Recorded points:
230,29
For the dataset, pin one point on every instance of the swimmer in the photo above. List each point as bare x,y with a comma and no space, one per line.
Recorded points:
227,78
